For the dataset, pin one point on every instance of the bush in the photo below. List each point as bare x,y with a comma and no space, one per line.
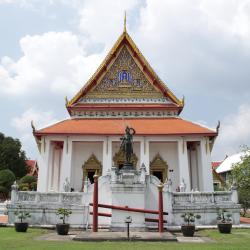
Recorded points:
27,183
7,178
28,179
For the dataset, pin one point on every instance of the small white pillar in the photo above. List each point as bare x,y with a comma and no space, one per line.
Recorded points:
56,168
66,163
107,156
206,175
183,165
144,154
44,163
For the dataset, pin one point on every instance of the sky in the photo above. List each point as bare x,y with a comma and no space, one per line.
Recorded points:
199,48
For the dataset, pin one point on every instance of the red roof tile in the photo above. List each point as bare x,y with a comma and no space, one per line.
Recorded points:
116,126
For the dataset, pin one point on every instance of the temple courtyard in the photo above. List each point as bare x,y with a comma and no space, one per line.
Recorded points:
47,239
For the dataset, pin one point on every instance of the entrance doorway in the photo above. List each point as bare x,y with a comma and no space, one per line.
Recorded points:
159,168
91,167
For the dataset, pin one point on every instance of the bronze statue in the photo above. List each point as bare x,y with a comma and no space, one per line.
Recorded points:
127,145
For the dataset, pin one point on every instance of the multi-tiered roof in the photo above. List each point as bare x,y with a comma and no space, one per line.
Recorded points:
125,90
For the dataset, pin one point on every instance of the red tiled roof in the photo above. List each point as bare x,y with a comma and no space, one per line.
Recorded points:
116,126
31,167
216,164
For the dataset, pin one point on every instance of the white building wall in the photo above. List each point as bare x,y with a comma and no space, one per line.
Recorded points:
184,173
194,171
206,173
44,163
168,152
80,154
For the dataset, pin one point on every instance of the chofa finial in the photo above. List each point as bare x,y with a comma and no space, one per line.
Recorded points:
66,101
33,127
218,127
125,22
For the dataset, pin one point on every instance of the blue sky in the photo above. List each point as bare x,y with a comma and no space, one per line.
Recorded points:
200,49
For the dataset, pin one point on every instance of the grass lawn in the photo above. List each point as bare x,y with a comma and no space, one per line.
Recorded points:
9,239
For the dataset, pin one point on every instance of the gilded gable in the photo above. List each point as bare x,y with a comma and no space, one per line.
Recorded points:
124,79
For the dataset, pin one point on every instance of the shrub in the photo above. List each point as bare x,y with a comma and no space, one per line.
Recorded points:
7,178
27,183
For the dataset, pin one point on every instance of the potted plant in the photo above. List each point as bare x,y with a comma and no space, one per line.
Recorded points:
224,223
63,228
188,228
21,226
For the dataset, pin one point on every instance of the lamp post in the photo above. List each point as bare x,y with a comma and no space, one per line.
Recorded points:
128,220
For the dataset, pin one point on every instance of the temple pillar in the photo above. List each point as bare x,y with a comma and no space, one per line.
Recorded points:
184,182
66,164
56,167
144,154
205,173
44,163
107,156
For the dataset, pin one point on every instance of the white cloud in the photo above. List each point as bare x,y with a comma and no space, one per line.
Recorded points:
54,62
234,132
22,124
102,21
199,47
40,119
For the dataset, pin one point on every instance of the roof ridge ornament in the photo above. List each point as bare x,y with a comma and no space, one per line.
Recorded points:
125,22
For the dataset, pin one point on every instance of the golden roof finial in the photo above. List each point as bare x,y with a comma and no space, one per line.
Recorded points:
125,22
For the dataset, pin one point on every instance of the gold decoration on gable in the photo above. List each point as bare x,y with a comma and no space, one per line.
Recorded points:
134,85
91,165
159,165
119,159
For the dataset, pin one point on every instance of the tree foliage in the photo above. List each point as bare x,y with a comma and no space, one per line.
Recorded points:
28,183
6,180
241,176
12,157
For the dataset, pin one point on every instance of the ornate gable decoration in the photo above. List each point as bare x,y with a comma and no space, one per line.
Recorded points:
124,74
124,79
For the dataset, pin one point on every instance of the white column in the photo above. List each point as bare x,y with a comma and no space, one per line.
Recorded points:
44,163
183,164
144,154
206,175
107,156
55,178
66,163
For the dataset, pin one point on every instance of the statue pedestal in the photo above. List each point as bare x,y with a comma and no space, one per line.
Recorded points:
128,191
128,166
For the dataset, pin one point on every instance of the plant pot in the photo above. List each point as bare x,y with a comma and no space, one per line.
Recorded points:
188,230
62,229
224,228
21,226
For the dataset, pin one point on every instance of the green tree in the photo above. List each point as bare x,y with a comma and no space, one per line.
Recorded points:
27,183
7,178
12,157
241,176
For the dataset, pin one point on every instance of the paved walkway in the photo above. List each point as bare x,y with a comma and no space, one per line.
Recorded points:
104,235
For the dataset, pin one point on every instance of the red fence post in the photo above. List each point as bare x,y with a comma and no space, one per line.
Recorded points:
95,204
160,203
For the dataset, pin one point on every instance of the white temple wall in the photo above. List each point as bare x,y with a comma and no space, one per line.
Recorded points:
168,152
194,171
80,154
44,163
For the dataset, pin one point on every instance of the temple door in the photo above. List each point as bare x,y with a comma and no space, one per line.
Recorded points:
159,168
91,167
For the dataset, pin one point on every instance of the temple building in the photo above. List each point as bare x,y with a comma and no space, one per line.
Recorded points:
125,92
